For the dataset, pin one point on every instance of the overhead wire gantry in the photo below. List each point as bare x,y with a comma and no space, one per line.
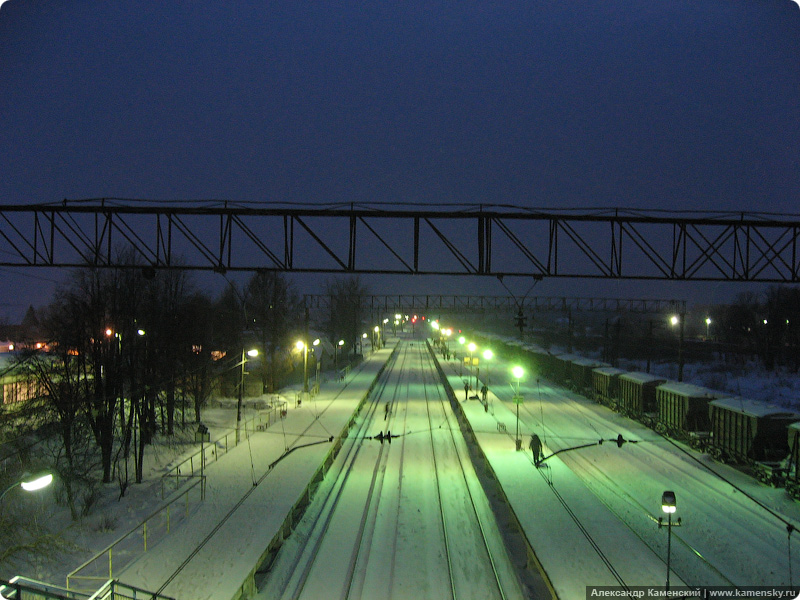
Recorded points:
486,239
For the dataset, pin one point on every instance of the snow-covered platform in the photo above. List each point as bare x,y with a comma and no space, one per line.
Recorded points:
251,495
575,538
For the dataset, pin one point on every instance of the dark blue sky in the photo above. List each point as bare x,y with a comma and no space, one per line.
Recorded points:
633,103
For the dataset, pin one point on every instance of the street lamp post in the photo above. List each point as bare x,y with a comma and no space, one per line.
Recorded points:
471,347
679,320
338,345
30,483
302,345
708,324
518,372
668,505
250,353
488,355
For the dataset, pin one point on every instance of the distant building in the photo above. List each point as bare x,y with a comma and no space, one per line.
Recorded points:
16,383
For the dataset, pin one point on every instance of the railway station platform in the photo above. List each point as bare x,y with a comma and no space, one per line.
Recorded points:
572,537
217,552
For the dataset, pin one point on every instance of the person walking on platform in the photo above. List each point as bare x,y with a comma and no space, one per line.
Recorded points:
466,391
536,448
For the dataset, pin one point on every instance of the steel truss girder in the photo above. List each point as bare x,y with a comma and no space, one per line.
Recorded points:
407,304
466,240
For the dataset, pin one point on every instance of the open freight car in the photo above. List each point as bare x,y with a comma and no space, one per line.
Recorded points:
683,411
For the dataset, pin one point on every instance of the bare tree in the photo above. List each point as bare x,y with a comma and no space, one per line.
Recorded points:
346,318
271,308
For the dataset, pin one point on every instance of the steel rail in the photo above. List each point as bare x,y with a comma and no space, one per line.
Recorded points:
427,354
580,410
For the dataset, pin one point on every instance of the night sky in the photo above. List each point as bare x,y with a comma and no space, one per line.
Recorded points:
674,104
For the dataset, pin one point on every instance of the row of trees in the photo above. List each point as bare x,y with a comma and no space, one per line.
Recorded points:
763,325
128,351
755,326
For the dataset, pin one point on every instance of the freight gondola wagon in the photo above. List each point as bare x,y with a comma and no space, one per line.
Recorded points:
683,411
560,368
637,396
547,364
580,374
792,470
605,385
539,360
750,432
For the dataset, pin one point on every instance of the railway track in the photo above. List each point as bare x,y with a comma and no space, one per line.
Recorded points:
401,513
693,565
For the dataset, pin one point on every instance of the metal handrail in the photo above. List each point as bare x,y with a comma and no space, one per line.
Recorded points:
214,446
114,590
142,525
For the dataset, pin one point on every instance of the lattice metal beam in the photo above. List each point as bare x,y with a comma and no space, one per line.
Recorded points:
378,238
411,303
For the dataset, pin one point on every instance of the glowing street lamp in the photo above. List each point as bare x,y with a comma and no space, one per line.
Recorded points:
472,347
338,345
251,353
518,372
301,345
708,324
668,505
31,483
675,320
488,355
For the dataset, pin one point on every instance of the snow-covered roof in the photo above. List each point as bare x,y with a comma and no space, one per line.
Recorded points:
639,377
608,371
590,362
753,408
689,389
567,357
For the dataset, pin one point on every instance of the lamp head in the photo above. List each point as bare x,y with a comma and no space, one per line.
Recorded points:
35,482
668,504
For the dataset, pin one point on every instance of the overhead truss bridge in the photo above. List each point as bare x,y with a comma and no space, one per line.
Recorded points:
489,240
434,304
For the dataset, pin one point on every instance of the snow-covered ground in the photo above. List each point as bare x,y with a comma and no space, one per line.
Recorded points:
586,511
780,387
733,530
402,520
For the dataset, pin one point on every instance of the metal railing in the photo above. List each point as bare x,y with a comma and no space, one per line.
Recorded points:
133,543
212,451
22,588
114,590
